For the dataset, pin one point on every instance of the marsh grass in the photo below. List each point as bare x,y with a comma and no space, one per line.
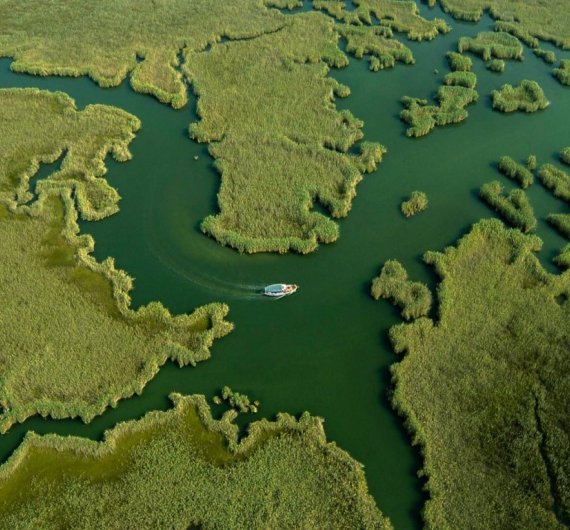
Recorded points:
181,467
526,97
514,206
563,72
414,298
556,180
521,174
418,202
489,45
531,19
485,389
459,78
565,156
549,57
496,65
459,62
85,348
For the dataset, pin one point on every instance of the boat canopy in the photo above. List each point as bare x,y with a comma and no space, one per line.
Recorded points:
275,288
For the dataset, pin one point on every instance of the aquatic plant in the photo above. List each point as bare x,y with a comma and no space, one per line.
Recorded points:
547,21
180,469
281,145
527,97
417,203
560,221
496,65
337,9
563,259
239,402
489,45
556,180
547,56
484,388
563,72
459,78
531,164
383,51
565,155
459,62
85,347
413,297
523,175
514,206
422,117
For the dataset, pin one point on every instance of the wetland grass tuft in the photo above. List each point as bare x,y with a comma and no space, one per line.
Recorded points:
514,206
556,180
565,155
496,65
523,175
526,97
489,45
459,62
563,72
418,202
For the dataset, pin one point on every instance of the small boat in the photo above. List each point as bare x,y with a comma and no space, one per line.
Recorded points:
278,290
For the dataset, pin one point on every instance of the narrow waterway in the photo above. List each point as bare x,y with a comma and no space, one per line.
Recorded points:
325,349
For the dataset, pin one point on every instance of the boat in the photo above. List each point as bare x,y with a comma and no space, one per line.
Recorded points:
278,290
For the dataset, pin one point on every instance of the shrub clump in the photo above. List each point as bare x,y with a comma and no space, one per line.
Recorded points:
417,203
527,97
413,297
516,171
514,207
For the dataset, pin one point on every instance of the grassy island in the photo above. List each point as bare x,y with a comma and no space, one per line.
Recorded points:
556,180
514,206
183,469
56,298
523,175
565,155
496,65
485,389
417,203
459,62
563,72
413,297
531,20
489,45
527,97
549,57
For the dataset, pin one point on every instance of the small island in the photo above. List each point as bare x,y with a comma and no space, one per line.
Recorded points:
417,203
527,97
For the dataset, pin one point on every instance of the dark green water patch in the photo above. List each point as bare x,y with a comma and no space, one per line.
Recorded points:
325,349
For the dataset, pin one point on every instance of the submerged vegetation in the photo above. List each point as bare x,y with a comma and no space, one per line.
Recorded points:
563,72
514,206
485,389
56,298
523,175
413,297
417,203
527,97
181,469
489,45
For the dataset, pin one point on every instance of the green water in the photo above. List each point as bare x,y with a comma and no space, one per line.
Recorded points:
325,349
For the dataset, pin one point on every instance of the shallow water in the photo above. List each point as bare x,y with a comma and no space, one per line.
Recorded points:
325,349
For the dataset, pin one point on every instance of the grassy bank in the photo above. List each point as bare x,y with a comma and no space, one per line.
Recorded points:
485,388
526,97
181,469
562,73
56,299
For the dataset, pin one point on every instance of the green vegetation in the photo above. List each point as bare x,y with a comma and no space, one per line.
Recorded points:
417,203
56,298
531,163
527,97
547,56
374,41
422,117
563,73
413,297
560,221
239,402
267,110
514,207
486,389
181,469
337,9
489,45
565,155
548,21
556,180
496,65
523,175
459,62
563,259
459,78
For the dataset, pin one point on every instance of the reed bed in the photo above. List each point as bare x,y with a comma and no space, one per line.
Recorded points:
556,180
56,298
514,206
459,62
414,298
281,145
549,57
337,9
560,221
532,19
418,202
565,155
496,65
526,97
563,72
180,469
459,78
485,389
518,172
489,45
